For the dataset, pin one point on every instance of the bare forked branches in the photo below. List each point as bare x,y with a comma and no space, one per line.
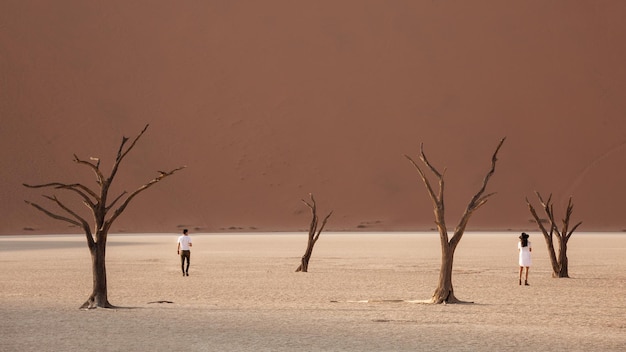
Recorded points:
445,292
97,202
314,233
560,263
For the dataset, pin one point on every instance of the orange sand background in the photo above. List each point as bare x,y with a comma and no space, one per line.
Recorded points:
266,101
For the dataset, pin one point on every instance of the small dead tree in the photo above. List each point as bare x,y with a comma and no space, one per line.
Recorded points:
98,204
560,262
314,234
444,293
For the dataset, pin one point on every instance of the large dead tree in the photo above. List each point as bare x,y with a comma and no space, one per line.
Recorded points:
560,262
444,293
314,234
104,213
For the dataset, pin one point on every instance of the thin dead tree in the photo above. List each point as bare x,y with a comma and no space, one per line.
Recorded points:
314,234
444,293
560,262
104,213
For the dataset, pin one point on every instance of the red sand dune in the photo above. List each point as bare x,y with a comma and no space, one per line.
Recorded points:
268,101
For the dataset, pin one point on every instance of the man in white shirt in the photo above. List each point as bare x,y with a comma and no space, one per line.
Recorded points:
184,250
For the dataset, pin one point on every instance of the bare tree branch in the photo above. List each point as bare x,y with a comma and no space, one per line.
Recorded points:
433,196
115,201
83,223
482,200
568,213
83,191
53,215
573,229
323,225
97,160
94,167
313,206
478,200
121,153
494,159
437,199
533,212
67,210
430,166
119,210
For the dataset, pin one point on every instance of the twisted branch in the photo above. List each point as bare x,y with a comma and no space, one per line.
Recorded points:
118,211
121,154
83,191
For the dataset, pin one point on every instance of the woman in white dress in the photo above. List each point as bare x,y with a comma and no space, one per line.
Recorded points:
524,249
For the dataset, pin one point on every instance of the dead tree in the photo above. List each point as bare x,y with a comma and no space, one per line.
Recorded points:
314,234
560,262
445,291
100,207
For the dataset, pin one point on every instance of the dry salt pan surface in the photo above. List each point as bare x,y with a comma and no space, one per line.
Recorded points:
243,295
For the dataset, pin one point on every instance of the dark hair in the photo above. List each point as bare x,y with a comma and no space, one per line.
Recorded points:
185,231
524,238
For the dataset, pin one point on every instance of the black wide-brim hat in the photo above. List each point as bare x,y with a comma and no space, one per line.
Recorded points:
524,235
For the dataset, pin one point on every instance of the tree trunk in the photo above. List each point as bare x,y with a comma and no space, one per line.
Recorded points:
554,261
444,293
563,263
98,297
304,263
